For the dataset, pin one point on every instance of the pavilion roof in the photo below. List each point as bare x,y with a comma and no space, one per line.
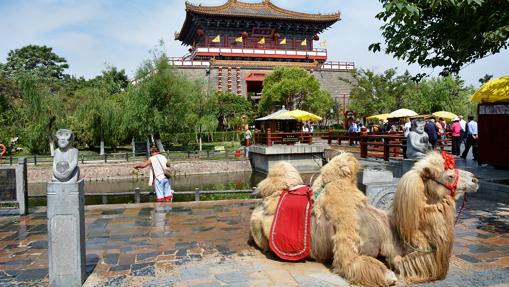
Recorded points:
264,9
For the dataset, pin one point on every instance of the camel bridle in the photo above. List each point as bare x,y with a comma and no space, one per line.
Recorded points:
449,164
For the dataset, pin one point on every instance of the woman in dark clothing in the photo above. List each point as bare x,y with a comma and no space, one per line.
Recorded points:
431,130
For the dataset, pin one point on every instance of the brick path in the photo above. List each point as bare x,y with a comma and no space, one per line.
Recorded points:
205,244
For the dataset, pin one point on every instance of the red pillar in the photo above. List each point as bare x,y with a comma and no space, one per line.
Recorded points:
269,140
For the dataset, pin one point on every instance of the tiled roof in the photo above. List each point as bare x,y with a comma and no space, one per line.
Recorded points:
263,9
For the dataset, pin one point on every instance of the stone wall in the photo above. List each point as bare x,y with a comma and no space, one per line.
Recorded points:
329,79
110,171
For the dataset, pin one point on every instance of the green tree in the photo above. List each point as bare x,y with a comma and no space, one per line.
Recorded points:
379,93
440,94
233,111
38,110
36,60
116,81
99,114
448,34
9,93
295,88
160,101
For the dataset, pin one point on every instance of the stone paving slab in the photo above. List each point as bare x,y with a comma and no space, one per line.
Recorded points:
205,244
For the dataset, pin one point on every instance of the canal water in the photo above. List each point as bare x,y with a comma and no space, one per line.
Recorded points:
220,181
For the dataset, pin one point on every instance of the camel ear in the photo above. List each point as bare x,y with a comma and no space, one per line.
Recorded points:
427,172
346,171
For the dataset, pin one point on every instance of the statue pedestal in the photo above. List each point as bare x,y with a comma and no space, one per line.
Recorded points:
66,233
379,186
407,165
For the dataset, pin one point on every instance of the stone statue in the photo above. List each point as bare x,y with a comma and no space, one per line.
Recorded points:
417,141
65,162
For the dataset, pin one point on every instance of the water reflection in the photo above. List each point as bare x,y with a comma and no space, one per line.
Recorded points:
219,181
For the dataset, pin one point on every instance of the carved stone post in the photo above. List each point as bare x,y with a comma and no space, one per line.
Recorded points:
66,217
66,234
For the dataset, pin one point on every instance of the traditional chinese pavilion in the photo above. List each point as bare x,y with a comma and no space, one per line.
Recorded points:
236,44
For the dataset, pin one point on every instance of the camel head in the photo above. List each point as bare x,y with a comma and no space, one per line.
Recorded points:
344,165
442,172
282,175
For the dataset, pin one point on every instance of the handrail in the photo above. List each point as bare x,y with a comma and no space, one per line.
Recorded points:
137,193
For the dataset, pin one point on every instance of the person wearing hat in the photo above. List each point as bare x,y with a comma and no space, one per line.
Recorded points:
456,136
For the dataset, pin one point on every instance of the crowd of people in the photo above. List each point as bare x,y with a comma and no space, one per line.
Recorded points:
461,132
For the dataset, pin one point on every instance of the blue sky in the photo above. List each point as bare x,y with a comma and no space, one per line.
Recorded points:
94,33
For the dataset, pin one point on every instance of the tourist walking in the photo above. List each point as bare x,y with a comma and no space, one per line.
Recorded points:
463,125
456,136
472,137
247,137
353,130
157,178
431,129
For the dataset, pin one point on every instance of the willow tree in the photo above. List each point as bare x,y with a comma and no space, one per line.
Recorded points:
38,110
99,114
161,100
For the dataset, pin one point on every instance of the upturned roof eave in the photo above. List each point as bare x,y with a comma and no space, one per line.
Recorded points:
287,14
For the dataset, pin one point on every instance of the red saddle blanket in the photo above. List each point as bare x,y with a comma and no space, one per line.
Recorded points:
290,231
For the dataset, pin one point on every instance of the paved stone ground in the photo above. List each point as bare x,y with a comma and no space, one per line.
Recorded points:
205,244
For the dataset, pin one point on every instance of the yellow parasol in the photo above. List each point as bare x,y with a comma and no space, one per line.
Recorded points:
402,113
445,115
496,90
381,117
299,115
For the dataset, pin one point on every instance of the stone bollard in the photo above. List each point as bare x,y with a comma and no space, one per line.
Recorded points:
22,186
137,195
66,234
196,194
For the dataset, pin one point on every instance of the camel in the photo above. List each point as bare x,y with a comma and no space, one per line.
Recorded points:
414,239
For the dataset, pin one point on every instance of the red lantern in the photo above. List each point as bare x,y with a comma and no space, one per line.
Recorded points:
244,35
200,32
316,37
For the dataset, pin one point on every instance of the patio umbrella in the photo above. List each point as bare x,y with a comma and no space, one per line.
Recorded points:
402,113
271,116
445,115
496,90
299,115
381,117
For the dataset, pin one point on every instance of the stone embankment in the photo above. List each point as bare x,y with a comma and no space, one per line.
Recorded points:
113,171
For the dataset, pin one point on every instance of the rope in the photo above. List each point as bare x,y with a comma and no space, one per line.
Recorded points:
419,249
319,192
461,209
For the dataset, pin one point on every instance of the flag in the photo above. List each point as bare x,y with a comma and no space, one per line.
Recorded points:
283,42
239,39
262,41
217,39
323,43
304,43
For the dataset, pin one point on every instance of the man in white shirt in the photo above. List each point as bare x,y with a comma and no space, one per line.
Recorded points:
472,136
157,178
406,131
